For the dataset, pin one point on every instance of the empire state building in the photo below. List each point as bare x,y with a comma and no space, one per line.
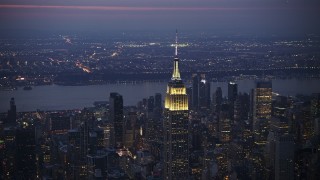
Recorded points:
176,125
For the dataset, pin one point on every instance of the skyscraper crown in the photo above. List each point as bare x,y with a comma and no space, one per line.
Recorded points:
176,72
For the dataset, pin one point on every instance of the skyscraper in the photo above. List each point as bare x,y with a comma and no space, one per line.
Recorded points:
262,99
204,92
9,153
224,124
232,96
176,150
150,104
315,113
217,100
116,114
157,106
12,113
232,91
25,153
158,101
284,157
195,90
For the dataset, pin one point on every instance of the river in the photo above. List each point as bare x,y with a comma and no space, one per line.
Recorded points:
55,97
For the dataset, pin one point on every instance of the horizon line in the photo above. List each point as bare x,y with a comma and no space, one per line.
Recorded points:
146,8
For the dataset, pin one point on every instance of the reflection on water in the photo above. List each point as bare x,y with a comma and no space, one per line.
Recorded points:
76,97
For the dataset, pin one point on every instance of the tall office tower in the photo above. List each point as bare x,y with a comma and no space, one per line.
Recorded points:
26,153
86,117
196,135
307,124
278,128
241,111
107,131
8,162
12,113
189,93
157,105
300,123
176,137
74,143
204,92
150,121
217,100
232,91
195,90
315,112
116,113
79,140
224,124
262,99
128,137
284,157
241,107
150,104
280,106
232,96
133,118
158,100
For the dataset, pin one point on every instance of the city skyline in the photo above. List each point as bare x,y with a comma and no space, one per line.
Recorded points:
98,89
191,135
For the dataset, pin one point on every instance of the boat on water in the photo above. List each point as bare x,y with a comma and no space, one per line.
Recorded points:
27,88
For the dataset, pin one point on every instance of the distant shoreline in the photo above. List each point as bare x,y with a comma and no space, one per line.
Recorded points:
155,80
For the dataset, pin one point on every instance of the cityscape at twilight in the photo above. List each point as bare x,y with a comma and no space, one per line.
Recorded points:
160,90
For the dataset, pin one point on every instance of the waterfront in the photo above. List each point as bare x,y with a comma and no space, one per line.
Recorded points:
56,97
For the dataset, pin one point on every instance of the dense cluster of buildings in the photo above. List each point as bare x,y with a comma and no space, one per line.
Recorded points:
188,134
74,59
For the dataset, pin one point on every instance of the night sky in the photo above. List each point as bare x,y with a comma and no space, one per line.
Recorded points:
219,16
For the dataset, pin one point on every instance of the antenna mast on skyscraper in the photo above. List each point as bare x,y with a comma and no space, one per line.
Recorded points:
176,50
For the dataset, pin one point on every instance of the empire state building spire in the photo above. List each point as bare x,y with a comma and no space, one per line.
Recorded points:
176,126
176,46
176,73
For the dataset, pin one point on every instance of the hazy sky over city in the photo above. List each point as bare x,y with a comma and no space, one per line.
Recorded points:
221,16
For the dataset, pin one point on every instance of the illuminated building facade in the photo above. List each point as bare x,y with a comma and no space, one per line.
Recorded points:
176,148
262,99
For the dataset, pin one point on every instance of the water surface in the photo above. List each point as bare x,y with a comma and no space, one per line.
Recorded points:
56,97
